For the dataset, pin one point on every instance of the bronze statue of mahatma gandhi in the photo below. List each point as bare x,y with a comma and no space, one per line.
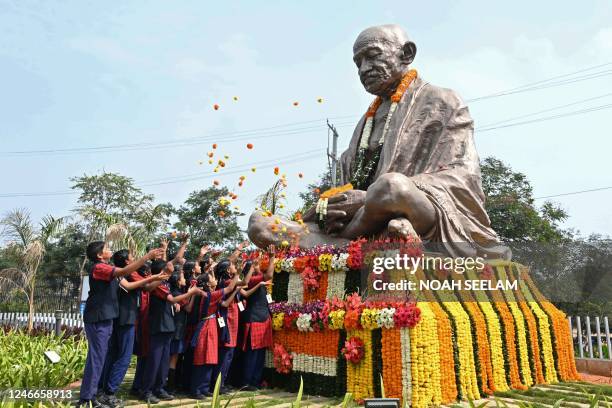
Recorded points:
411,161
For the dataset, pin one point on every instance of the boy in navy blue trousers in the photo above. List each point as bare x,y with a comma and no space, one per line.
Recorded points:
161,327
122,340
101,308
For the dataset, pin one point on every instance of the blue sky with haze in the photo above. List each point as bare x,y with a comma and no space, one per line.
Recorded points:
90,74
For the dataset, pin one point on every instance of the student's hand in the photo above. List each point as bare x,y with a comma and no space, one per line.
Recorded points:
244,244
155,253
194,290
264,283
204,250
177,307
160,276
164,243
272,250
184,237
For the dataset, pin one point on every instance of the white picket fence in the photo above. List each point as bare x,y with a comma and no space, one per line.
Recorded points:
42,320
591,336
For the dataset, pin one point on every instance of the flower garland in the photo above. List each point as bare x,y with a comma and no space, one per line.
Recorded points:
424,352
565,351
483,354
303,322
353,350
310,278
468,383
545,336
359,375
392,365
321,344
509,329
364,168
283,361
495,337
525,369
532,335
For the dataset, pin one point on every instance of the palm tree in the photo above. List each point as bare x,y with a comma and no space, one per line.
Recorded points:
26,245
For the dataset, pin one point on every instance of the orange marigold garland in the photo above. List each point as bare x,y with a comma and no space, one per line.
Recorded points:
537,370
392,364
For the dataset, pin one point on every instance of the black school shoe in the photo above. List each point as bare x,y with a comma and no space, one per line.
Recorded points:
149,398
197,396
110,400
164,395
94,403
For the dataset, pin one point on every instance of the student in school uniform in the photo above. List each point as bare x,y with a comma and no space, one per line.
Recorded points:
141,338
229,309
161,326
191,271
122,339
101,308
205,340
257,326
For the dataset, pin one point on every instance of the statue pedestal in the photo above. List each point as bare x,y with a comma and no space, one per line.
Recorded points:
448,345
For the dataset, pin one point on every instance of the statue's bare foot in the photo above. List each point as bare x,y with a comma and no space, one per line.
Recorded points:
401,228
264,231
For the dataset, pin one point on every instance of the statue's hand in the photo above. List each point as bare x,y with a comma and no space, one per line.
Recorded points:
341,208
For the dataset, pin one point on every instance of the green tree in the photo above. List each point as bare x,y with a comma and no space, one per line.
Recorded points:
512,210
26,250
110,198
207,220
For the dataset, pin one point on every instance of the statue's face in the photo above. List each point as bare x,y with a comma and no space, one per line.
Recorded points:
380,65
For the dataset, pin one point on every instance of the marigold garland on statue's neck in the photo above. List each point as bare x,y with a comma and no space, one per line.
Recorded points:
364,168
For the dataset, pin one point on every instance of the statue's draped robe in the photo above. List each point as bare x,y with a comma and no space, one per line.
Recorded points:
430,140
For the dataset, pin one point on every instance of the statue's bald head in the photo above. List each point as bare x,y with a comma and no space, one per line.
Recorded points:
391,33
382,55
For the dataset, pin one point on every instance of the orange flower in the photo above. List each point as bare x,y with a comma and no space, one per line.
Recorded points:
296,103
322,344
316,191
221,163
221,213
392,363
216,182
214,146
240,184
276,170
249,146
216,107
300,175
211,154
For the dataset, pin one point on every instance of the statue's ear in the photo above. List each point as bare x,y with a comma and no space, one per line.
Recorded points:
409,50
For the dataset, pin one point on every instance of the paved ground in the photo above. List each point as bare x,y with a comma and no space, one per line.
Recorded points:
574,395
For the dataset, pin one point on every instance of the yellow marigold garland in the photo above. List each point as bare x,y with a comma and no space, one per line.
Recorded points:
482,341
495,338
509,335
520,330
563,338
359,376
550,373
424,351
532,326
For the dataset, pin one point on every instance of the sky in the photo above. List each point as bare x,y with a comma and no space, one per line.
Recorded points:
83,74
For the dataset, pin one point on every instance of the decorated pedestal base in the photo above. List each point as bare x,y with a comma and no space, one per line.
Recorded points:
447,345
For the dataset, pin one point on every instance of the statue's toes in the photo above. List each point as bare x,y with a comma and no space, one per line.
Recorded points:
401,227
